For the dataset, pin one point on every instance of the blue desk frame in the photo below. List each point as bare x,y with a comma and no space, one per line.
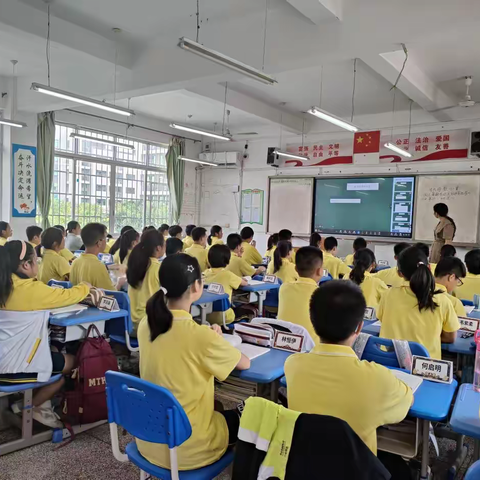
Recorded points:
261,291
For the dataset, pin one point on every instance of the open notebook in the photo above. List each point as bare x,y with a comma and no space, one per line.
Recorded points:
411,380
249,350
469,309
77,308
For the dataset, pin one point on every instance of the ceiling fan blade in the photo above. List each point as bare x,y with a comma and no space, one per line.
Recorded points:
246,133
442,109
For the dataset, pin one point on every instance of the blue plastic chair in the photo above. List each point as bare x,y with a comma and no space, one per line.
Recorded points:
473,473
151,413
373,352
60,283
325,279
467,303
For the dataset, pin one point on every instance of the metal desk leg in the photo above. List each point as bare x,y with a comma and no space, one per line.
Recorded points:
203,314
274,386
261,297
425,448
476,450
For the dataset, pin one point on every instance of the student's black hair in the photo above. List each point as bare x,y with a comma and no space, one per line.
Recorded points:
177,274
234,240
50,236
148,227
472,260
246,233
126,241
33,231
72,225
116,245
214,231
307,260
198,233
315,239
441,209
399,248
272,241
174,230
163,228
92,233
450,266
330,243
336,310
281,252
284,235
3,227
423,247
139,259
10,262
413,265
448,251
359,243
362,261
109,236
60,227
219,256
189,229
174,245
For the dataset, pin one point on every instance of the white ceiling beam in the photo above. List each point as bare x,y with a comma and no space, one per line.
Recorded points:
319,11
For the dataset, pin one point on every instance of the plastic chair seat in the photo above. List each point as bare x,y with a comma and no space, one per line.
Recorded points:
21,387
121,339
467,303
473,473
204,473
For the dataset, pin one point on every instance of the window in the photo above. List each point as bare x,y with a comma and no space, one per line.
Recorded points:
61,207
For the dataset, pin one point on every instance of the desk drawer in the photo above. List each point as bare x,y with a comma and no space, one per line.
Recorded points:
75,332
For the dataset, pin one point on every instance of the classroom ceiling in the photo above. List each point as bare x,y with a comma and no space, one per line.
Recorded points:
310,46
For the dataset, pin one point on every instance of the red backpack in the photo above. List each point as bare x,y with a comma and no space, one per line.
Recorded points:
87,402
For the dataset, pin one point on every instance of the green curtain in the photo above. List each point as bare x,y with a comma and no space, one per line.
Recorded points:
176,176
45,162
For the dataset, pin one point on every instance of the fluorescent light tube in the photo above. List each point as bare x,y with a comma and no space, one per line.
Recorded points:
200,131
290,155
228,62
12,123
328,117
101,140
401,151
185,159
55,92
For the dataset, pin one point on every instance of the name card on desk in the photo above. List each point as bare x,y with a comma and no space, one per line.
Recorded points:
382,263
369,313
266,260
270,279
105,258
431,369
215,288
108,303
469,324
290,342
325,272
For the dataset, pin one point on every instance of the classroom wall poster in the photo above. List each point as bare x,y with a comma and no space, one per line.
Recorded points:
444,145
252,206
24,181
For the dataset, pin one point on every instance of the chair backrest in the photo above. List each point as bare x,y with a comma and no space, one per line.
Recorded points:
373,352
473,473
147,411
60,283
123,300
468,303
325,279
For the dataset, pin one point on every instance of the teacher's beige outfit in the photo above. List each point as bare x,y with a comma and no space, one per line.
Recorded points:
444,231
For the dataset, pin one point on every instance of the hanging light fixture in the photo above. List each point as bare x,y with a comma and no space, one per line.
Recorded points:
281,153
398,150
101,140
11,122
200,131
194,160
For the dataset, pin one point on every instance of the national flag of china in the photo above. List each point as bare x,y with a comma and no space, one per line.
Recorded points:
366,147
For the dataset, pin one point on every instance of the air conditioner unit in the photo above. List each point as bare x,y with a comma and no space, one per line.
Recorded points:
228,159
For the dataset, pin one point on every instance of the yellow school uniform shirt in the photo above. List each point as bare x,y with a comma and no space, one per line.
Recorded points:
331,380
401,319
240,267
390,277
287,272
187,242
335,266
470,287
33,245
229,282
139,296
66,254
269,253
294,304
251,255
185,360
457,304
200,253
29,294
88,268
3,241
372,288
215,241
348,260
109,245
53,267
116,258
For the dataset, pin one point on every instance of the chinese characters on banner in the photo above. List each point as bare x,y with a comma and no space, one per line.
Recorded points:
24,181
437,146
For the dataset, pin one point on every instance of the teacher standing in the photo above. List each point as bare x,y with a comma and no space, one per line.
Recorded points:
444,232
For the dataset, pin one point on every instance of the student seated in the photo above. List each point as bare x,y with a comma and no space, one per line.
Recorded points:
331,380
286,235
471,284
281,265
334,265
34,234
127,243
163,229
424,248
271,245
198,249
5,233
115,247
142,272
88,268
391,276
219,258
373,288
53,266
445,252
449,275
250,253
173,246
65,252
175,231
316,240
184,357
237,264
294,297
416,311
188,240
111,242
358,244
73,242
21,291
215,237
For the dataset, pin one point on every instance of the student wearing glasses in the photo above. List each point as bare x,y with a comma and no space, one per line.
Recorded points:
449,275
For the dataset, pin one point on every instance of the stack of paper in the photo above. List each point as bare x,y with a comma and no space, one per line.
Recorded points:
411,380
77,308
252,351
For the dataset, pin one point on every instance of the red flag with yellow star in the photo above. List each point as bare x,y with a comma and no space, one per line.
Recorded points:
366,147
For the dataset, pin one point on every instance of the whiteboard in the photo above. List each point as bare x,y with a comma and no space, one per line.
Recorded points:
290,205
460,193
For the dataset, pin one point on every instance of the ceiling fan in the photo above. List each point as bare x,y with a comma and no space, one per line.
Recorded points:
236,134
466,101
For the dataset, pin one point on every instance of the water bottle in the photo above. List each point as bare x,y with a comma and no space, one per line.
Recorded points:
476,374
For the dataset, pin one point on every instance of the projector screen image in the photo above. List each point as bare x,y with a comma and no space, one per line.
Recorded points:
371,206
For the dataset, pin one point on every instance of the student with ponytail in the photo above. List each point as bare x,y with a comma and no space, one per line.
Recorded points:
64,252
184,357
281,266
116,245
127,242
372,288
215,237
316,240
271,245
53,266
142,272
418,312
